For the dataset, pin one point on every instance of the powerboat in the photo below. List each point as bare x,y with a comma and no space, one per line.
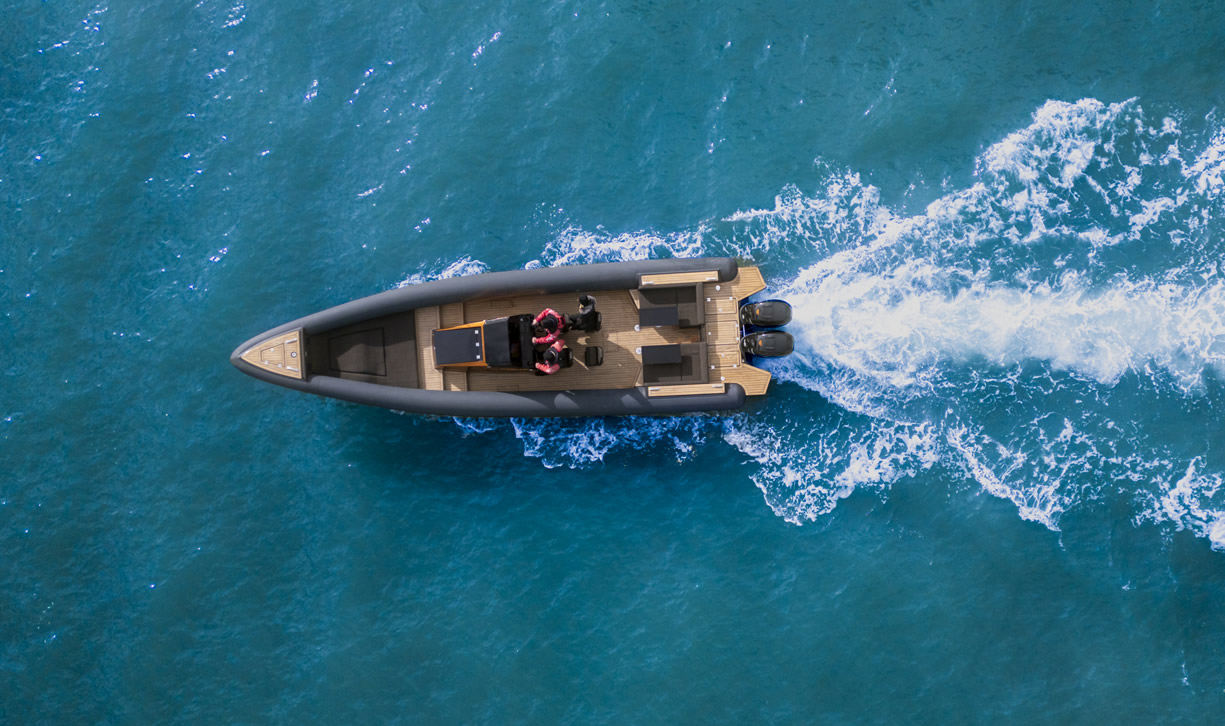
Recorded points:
649,337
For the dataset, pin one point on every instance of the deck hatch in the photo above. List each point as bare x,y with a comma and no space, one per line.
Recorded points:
458,346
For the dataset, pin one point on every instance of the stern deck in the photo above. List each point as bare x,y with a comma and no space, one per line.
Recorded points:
621,342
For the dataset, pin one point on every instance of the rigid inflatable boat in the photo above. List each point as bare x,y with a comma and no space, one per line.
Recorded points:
649,337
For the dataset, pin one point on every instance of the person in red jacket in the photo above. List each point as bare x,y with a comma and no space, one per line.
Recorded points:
550,361
552,323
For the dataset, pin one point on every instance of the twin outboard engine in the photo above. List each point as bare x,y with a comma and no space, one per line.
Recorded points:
768,344
765,343
765,314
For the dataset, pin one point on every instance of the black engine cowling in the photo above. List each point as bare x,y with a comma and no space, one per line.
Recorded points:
767,344
765,314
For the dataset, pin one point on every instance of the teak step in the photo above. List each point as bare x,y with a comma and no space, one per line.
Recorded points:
427,321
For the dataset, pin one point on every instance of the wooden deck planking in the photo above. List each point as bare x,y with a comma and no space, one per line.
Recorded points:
723,318
723,332
281,354
452,314
678,278
754,381
748,282
725,356
427,321
724,304
686,389
454,379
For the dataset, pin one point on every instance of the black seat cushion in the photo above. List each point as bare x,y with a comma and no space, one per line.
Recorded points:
654,355
691,368
686,299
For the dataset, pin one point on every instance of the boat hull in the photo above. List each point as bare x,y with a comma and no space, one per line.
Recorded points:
572,279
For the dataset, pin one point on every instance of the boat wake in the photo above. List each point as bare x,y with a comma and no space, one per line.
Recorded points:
1053,333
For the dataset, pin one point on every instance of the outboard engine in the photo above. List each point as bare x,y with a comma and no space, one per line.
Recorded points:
765,314
767,343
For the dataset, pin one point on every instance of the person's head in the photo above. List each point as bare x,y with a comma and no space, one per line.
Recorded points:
550,356
549,323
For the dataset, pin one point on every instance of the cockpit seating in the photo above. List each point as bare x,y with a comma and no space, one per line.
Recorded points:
678,363
681,305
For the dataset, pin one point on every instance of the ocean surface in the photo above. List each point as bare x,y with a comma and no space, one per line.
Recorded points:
989,486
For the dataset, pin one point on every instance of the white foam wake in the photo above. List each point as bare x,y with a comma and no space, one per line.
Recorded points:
803,471
896,329
1189,504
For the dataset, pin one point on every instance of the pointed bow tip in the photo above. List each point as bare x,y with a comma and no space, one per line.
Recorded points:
281,354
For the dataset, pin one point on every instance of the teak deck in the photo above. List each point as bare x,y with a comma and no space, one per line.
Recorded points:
618,336
280,355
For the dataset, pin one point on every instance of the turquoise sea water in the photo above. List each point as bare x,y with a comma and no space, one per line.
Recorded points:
989,486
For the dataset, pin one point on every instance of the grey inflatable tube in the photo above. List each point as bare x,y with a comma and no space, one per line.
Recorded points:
577,278
494,404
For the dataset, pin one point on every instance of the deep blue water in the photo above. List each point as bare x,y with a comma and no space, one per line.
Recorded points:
988,486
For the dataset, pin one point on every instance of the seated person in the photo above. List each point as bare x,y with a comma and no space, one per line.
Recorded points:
588,319
551,360
550,325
